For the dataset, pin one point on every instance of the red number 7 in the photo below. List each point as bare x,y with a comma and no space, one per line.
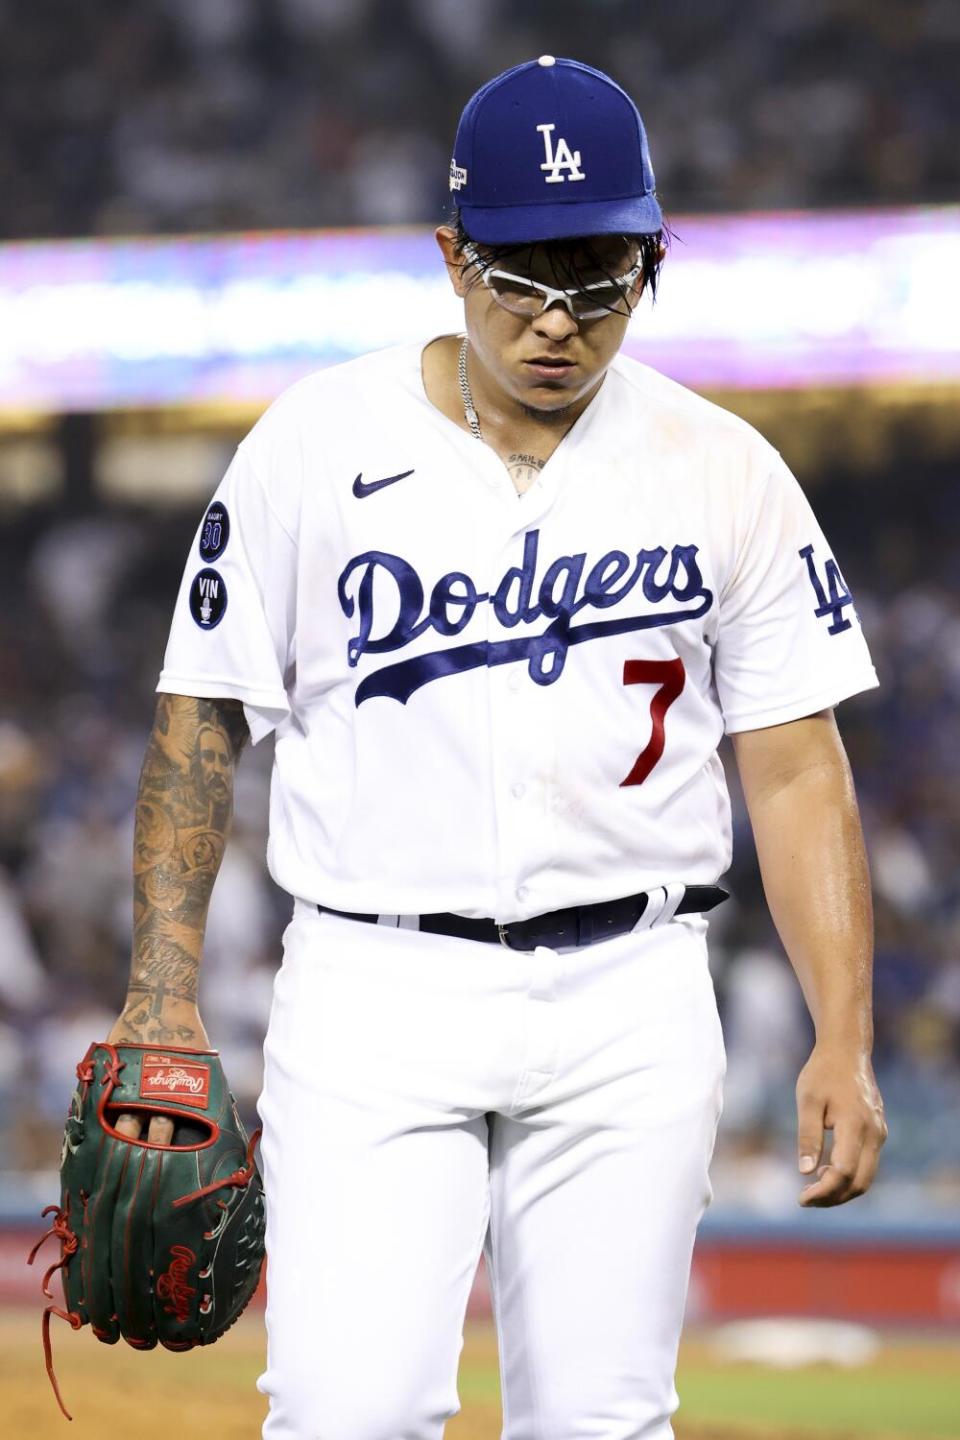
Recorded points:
669,675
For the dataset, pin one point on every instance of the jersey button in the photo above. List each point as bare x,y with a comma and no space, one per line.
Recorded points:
514,680
518,790
522,892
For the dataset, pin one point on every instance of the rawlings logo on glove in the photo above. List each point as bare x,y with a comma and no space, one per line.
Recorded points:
172,1284
163,1077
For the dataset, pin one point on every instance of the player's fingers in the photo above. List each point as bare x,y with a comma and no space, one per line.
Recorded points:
866,1170
810,1112
835,1179
829,1188
876,1134
129,1125
161,1130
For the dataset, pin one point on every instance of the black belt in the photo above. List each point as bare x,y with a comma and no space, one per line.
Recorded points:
580,925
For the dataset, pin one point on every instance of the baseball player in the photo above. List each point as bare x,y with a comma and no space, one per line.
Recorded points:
497,596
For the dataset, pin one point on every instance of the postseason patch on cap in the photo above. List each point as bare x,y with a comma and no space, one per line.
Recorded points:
208,599
214,532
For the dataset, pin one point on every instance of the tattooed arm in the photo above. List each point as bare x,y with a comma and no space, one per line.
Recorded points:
184,810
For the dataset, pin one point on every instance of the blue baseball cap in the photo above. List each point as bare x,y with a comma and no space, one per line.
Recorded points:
550,150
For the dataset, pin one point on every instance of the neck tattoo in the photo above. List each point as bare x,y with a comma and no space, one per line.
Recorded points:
466,394
524,470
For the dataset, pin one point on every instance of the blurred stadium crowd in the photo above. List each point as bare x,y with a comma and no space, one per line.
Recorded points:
84,609
174,115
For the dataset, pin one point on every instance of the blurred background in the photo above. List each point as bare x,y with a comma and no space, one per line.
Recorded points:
807,156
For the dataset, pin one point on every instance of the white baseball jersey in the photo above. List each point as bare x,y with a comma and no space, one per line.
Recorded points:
494,704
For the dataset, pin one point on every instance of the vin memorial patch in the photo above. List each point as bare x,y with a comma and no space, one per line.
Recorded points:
208,599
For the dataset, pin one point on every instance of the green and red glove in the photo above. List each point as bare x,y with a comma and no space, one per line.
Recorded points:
158,1243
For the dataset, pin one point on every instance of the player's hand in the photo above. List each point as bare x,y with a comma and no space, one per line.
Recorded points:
160,1131
837,1092
126,1032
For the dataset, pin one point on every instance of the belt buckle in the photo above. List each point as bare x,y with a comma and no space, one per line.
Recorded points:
502,934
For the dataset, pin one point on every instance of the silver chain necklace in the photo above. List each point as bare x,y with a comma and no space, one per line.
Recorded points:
466,394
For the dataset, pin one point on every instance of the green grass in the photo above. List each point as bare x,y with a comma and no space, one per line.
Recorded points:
818,1399
912,1390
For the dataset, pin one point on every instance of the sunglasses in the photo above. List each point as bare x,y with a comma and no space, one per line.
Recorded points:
523,296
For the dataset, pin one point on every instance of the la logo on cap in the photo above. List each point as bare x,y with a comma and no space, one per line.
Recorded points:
559,159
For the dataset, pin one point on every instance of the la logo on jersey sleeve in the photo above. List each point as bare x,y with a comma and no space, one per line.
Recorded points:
832,592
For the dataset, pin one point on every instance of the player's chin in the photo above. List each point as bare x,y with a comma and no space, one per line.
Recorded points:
544,389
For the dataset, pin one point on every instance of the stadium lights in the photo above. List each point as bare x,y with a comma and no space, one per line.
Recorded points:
756,301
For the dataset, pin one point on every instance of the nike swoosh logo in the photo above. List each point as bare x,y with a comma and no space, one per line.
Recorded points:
362,488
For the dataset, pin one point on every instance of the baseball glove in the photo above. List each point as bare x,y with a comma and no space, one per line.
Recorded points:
158,1243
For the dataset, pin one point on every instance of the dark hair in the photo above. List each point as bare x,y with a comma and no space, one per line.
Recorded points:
570,259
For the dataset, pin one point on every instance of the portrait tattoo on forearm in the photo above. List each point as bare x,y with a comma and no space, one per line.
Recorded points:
184,809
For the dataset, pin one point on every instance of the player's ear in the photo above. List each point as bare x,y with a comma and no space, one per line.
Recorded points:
446,238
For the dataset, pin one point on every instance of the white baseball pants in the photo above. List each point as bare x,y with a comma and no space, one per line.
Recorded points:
424,1095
